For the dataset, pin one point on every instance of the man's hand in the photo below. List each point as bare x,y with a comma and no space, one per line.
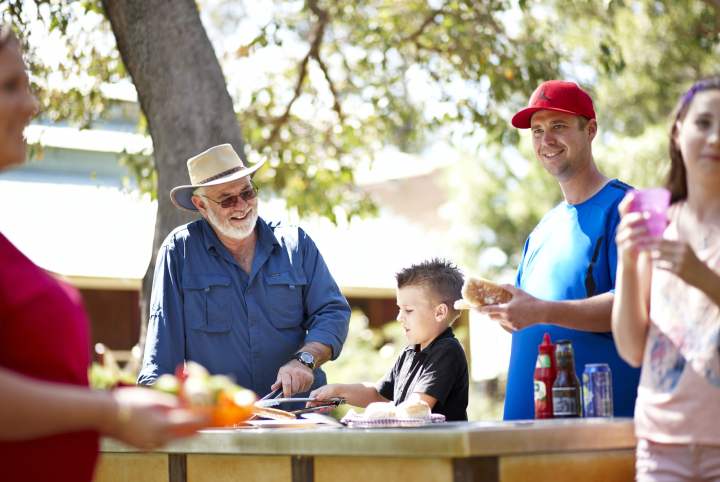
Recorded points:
521,311
293,377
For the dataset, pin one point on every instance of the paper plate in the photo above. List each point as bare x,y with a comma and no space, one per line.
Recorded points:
357,421
289,423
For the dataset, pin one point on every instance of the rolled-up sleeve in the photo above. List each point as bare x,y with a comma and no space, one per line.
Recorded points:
165,342
327,313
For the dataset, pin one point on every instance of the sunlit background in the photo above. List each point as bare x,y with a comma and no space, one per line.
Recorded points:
395,148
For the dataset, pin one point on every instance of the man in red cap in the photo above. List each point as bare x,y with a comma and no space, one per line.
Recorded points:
566,277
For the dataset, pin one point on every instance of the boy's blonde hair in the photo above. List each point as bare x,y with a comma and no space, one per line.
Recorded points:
442,278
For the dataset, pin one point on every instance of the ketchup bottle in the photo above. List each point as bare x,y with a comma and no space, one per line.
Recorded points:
544,378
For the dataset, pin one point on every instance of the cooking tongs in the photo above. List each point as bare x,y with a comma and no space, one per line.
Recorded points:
272,400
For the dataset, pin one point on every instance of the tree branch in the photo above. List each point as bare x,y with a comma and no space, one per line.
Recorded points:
317,37
428,20
715,5
331,85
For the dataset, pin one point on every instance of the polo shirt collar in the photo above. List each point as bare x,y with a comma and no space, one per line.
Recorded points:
266,236
448,333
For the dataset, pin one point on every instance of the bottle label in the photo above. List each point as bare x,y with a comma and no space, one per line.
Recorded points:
565,402
540,391
543,361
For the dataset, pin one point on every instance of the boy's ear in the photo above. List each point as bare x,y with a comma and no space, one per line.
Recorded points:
441,312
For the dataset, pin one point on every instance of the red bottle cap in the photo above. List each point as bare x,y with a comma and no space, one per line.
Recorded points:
546,346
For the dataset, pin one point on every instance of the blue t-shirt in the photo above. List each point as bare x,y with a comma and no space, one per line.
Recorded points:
205,308
571,254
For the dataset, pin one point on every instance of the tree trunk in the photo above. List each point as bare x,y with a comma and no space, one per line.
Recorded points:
182,92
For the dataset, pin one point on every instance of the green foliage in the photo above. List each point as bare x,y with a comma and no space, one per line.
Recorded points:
368,74
141,166
636,58
650,52
368,354
502,195
67,83
357,76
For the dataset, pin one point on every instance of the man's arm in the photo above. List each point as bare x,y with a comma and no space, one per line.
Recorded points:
320,352
589,314
326,310
327,316
165,341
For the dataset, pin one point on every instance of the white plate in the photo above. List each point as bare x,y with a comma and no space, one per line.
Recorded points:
289,423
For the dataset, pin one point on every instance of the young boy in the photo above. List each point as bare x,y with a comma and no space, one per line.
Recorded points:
433,368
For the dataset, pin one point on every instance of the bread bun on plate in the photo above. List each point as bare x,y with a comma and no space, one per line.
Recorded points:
413,409
478,292
378,410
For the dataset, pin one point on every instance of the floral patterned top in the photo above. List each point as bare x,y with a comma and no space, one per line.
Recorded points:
679,393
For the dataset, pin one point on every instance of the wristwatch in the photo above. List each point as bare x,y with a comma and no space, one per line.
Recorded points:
306,358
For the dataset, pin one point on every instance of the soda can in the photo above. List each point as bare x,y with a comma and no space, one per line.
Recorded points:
597,390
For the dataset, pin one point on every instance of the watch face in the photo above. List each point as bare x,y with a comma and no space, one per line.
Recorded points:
306,358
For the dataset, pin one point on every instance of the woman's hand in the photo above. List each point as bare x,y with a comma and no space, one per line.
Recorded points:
678,258
632,235
149,419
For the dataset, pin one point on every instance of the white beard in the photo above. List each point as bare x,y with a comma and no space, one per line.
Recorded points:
233,231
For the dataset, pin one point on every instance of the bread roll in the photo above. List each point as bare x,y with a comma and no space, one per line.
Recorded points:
379,410
413,409
478,292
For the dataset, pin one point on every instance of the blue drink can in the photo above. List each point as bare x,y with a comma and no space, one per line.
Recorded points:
597,390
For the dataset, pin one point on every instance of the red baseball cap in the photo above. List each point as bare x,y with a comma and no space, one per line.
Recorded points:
559,96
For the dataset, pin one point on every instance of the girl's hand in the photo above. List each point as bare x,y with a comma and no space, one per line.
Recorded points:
632,235
678,258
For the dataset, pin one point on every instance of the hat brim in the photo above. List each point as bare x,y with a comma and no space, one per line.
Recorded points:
181,196
521,120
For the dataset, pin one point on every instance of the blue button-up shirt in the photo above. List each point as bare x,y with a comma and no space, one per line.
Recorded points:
205,308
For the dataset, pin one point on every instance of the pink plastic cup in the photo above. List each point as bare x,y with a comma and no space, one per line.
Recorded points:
654,202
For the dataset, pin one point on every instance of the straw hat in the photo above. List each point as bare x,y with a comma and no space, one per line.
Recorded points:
217,165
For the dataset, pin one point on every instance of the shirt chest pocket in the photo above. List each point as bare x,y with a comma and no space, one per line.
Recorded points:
285,298
207,302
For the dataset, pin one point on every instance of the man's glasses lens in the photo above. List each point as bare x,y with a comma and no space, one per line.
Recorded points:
246,195
230,201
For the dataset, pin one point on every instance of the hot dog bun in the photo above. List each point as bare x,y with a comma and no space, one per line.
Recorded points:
272,413
478,292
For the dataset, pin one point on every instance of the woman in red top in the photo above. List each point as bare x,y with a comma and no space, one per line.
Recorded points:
50,422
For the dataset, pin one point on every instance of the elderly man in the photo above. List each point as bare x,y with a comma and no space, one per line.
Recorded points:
566,277
237,294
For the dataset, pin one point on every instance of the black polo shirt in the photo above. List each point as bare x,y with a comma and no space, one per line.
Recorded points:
440,370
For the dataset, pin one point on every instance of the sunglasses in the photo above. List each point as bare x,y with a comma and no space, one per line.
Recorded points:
231,201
